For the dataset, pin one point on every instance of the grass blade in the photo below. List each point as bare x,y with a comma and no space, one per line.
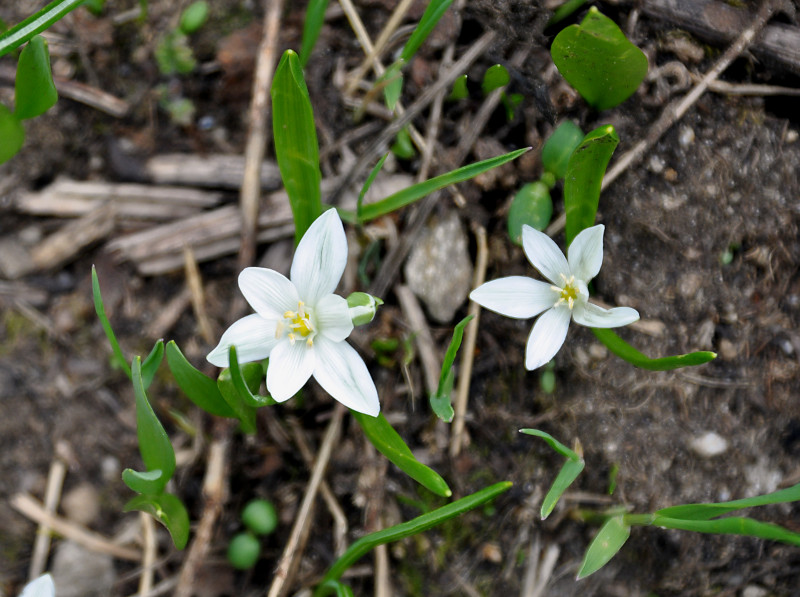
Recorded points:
608,541
36,23
101,315
440,401
709,511
628,353
315,18
734,525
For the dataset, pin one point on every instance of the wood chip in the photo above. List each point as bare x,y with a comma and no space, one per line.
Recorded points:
215,171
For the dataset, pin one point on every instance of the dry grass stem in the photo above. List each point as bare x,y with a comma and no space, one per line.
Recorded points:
52,495
418,326
195,284
148,553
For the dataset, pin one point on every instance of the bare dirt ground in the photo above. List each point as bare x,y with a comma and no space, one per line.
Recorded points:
701,238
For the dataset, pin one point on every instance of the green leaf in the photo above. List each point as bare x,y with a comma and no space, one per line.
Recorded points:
152,362
585,172
94,6
460,90
149,482
244,412
198,387
392,82
733,525
531,206
628,353
193,17
495,77
247,381
709,511
389,443
563,11
440,400
12,133
34,90
559,147
413,527
597,59
568,473
609,540
101,315
333,587
553,443
36,23
402,146
296,145
368,183
174,55
315,18
418,191
154,444
430,18
166,509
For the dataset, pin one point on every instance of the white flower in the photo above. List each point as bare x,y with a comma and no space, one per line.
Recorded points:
40,587
567,295
301,325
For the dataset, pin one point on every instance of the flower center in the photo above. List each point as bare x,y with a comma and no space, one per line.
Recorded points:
298,324
568,293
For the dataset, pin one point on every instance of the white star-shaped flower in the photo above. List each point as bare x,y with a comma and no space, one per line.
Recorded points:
300,325
41,587
567,295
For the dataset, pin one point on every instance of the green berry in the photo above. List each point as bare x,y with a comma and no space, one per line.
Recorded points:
243,551
260,517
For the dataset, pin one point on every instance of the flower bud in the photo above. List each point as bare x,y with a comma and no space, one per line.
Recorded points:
363,307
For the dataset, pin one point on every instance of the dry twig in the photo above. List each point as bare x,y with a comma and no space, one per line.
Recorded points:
41,546
148,553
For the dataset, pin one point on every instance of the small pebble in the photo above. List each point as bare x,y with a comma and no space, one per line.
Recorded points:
79,572
686,137
754,591
709,445
728,350
81,504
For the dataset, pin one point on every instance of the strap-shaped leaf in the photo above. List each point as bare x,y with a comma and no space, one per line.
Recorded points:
101,315
389,443
166,509
12,133
34,90
553,443
246,380
198,387
734,525
152,362
440,400
608,541
430,18
627,352
36,23
559,146
709,511
315,18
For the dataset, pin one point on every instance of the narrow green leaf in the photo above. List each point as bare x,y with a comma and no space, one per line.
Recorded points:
368,183
36,23
12,133
495,77
247,380
440,400
151,363
553,443
559,147
597,59
628,353
609,540
532,206
585,172
709,511
733,525
149,482
460,90
154,444
389,443
166,509
315,18
244,412
430,18
413,527
333,587
101,315
563,11
198,387
34,90
568,473
402,146
296,145
392,82
418,191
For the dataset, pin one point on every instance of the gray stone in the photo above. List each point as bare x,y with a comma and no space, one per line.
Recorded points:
78,572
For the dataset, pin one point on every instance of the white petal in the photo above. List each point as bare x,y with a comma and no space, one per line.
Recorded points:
596,317
516,296
343,374
290,366
41,587
585,254
320,258
269,293
547,337
253,336
544,255
332,315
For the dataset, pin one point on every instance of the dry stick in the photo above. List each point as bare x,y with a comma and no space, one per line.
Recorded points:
412,311
257,135
678,108
149,553
195,284
302,524
468,349
41,546
215,493
28,506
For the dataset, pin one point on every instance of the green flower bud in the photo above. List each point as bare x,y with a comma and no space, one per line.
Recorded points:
363,307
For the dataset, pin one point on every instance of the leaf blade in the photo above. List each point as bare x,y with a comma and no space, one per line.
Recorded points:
628,353
608,541
198,387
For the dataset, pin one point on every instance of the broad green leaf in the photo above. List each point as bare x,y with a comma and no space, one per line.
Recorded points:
628,353
733,525
418,191
597,59
149,482
531,206
585,172
440,400
408,529
368,183
36,23
553,443
389,443
247,380
154,444
315,18
559,147
244,412
460,90
193,17
34,90
11,132
296,145
166,509
151,363
609,540
101,315
427,23
568,473
198,387
495,77
709,511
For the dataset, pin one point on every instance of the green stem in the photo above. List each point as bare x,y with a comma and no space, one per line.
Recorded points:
36,23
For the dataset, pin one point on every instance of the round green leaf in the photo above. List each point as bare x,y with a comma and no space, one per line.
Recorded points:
12,134
260,517
243,551
559,146
531,205
194,17
34,91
